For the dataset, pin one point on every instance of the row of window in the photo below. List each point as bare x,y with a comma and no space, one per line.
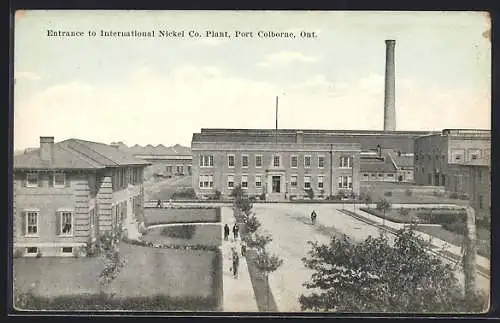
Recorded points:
64,223
179,169
207,181
457,155
208,161
373,175
56,179
34,250
122,177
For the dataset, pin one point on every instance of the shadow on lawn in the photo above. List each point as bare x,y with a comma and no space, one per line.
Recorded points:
320,228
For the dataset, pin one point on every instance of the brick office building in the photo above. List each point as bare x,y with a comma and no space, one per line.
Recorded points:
459,160
67,193
279,166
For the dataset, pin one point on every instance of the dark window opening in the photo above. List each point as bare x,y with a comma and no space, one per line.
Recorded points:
32,250
67,249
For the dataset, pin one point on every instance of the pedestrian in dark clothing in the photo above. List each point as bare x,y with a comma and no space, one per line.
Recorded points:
236,229
236,263
158,204
226,232
243,248
313,217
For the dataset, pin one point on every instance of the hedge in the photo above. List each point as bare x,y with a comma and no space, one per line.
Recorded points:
99,302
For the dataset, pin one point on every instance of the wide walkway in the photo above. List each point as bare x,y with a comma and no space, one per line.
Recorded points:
238,292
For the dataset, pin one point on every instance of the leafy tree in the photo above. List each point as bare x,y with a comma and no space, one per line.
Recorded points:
310,193
383,205
341,194
237,192
403,212
252,224
259,241
109,247
266,262
367,199
375,276
217,195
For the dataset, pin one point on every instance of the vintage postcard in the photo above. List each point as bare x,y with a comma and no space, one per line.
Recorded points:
263,161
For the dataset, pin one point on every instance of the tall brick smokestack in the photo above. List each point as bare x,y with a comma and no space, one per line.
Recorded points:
389,97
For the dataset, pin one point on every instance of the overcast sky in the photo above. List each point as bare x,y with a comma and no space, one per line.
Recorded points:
161,90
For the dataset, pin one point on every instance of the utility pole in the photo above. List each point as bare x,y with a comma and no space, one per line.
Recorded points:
331,169
470,254
352,183
276,123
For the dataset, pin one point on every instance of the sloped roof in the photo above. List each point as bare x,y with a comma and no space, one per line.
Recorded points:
77,154
176,150
373,165
402,161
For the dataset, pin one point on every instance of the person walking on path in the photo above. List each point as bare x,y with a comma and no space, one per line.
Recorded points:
236,263
236,230
243,248
226,232
313,217
158,204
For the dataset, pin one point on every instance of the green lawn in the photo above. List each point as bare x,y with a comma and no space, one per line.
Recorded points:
149,272
163,189
483,235
178,215
203,235
483,242
391,214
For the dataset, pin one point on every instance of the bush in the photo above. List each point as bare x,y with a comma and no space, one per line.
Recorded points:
266,262
457,227
437,193
463,196
217,195
244,204
259,242
185,194
383,205
388,193
252,224
442,216
408,192
454,195
484,223
237,192
340,195
18,252
310,193
102,301
183,231
262,196
39,254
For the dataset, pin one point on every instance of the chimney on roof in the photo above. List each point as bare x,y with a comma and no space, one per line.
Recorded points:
46,148
299,137
389,97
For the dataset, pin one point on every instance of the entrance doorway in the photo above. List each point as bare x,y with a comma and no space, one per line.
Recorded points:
276,184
